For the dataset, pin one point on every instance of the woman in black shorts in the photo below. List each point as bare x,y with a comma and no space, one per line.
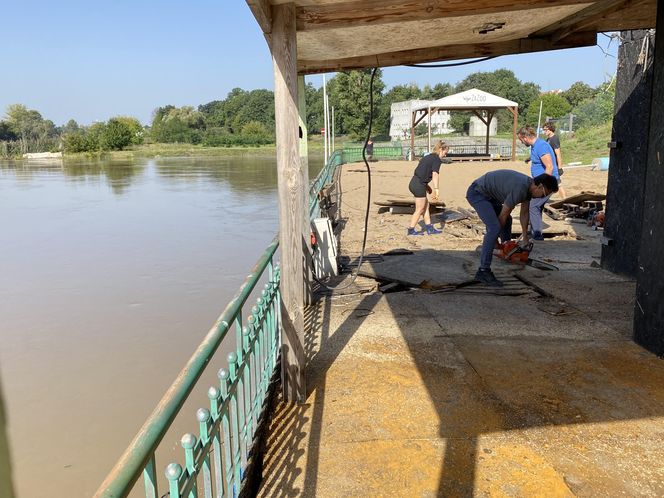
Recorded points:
426,175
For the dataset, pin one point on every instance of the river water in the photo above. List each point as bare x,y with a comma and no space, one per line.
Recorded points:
111,274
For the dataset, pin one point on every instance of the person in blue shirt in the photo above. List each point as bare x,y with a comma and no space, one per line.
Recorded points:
542,161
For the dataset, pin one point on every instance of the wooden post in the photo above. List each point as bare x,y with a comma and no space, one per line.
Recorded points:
514,114
489,117
429,147
290,177
304,164
412,136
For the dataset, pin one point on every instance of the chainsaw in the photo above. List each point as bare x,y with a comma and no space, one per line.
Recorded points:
515,252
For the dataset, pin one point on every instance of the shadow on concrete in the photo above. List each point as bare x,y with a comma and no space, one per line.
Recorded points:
477,373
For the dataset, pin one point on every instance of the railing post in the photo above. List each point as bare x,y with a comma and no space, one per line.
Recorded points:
203,417
173,473
150,479
213,396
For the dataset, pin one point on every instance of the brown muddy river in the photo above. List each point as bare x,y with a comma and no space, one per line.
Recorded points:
111,274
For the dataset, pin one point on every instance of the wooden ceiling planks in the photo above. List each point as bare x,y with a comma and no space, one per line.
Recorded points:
384,38
447,52
376,12
335,35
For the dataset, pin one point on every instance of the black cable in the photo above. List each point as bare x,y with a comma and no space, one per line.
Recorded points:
453,64
366,214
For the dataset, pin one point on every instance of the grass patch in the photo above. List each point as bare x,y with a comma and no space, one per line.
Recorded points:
586,144
184,150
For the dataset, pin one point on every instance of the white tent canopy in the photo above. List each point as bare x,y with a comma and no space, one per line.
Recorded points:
474,100
468,101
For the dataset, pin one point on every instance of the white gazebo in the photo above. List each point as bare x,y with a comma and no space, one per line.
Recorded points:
473,100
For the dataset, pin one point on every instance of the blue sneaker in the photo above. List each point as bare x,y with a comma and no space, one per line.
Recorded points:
431,230
412,231
538,236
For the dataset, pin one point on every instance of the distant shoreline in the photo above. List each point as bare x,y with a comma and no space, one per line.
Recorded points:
187,150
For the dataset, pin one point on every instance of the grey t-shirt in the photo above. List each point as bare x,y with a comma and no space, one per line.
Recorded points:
554,142
505,186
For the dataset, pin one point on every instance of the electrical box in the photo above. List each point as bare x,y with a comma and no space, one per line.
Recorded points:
325,252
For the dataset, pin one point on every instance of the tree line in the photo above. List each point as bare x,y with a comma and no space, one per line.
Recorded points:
246,117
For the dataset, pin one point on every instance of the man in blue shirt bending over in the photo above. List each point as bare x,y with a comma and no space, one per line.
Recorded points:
542,160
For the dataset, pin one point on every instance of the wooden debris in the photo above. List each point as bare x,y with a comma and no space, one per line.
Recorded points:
407,202
578,199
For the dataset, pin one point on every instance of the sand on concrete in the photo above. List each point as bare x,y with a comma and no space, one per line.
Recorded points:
418,393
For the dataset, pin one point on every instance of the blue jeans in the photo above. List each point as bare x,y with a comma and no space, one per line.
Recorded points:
488,211
536,208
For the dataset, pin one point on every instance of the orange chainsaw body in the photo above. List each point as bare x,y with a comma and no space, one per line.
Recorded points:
518,254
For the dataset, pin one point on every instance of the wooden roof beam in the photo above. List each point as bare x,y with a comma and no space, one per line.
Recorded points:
373,12
586,19
263,13
448,52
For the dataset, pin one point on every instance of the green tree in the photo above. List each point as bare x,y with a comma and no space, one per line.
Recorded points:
595,111
135,127
349,94
401,93
438,91
255,128
171,124
34,133
554,105
77,142
213,114
70,127
116,135
93,135
314,103
5,132
578,93
256,106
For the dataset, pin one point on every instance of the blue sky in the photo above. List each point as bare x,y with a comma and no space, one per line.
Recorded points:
94,60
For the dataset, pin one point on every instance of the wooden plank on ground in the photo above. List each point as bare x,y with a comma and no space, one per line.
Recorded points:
406,202
578,199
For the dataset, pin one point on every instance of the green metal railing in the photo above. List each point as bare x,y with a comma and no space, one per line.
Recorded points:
227,428
352,154
325,177
216,459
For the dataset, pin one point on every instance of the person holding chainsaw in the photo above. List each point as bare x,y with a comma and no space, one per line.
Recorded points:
494,196
426,174
542,161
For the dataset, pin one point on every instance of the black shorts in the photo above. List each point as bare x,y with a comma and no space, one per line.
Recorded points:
417,188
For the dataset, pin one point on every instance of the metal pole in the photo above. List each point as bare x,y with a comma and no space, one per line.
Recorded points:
332,130
327,127
539,118
429,130
324,119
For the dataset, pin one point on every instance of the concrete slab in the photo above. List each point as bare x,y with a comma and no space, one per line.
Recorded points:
457,395
600,295
504,316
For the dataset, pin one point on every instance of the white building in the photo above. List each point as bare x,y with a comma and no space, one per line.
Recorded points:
476,128
400,119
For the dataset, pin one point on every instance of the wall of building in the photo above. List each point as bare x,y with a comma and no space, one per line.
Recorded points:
649,306
477,128
400,119
628,160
